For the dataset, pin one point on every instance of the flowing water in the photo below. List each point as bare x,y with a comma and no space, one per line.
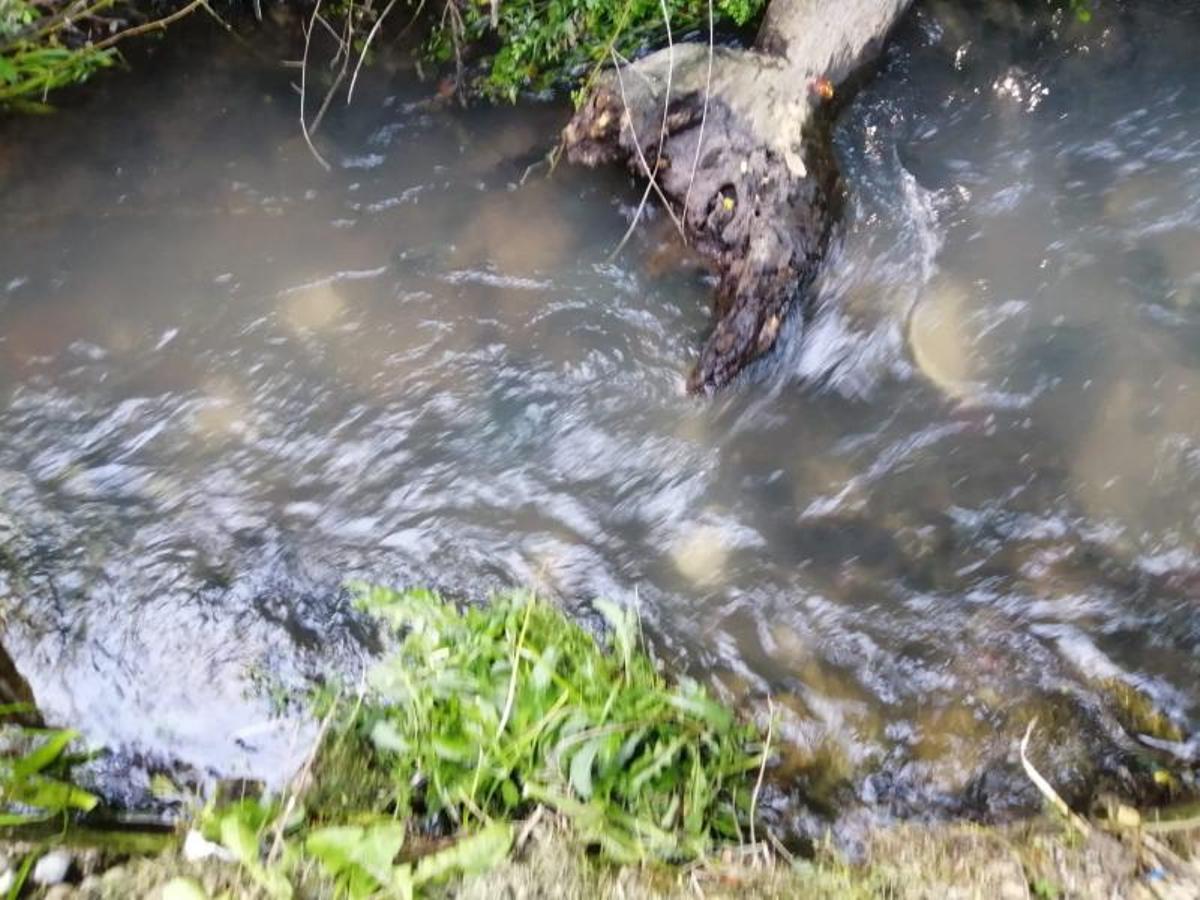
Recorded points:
965,491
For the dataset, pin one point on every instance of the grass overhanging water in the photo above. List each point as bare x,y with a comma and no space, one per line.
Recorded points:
479,717
484,725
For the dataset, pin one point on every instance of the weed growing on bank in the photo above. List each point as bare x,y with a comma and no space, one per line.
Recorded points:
35,783
484,712
540,45
480,721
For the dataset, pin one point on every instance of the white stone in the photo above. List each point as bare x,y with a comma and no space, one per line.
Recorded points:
700,555
197,847
52,868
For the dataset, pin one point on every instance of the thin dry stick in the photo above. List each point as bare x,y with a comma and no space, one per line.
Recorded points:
304,88
367,45
1046,789
324,23
1167,826
527,829
783,851
341,75
652,181
662,138
40,27
516,664
456,33
687,196
150,26
662,133
300,783
762,769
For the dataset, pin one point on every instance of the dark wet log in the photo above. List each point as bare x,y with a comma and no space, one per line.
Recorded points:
760,197
14,689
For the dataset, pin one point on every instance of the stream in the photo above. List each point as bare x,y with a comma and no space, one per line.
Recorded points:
964,491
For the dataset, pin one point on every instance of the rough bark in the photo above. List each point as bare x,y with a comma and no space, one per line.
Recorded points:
14,689
760,197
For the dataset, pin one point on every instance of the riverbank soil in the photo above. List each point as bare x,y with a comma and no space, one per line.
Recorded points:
1038,858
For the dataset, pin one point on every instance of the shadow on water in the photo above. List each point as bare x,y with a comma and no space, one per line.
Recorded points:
963,494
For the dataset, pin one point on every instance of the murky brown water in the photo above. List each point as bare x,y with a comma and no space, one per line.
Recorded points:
967,492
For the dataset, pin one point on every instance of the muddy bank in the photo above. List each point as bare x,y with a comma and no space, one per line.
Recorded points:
1037,858
737,144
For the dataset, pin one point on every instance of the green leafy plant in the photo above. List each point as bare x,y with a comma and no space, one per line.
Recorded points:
544,43
35,55
477,717
486,711
34,784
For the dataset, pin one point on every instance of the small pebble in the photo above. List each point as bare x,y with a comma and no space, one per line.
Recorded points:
7,877
59,892
196,847
52,868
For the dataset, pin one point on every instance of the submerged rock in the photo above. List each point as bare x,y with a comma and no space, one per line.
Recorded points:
738,143
941,345
700,555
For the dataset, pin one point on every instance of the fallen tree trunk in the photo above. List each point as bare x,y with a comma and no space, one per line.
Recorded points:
738,144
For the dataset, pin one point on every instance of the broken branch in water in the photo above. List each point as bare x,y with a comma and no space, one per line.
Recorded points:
1044,786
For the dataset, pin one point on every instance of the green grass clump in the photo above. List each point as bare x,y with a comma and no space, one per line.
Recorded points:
484,712
549,43
478,717
34,774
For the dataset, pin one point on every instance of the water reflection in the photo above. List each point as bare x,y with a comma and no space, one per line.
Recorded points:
963,493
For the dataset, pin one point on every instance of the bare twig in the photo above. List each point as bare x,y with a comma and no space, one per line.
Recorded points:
1045,787
333,34
662,132
762,769
704,114
527,829
783,851
299,783
1167,826
304,88
40,27
516,664
157,24
341,75
367,45
652,180
662,138
457,29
